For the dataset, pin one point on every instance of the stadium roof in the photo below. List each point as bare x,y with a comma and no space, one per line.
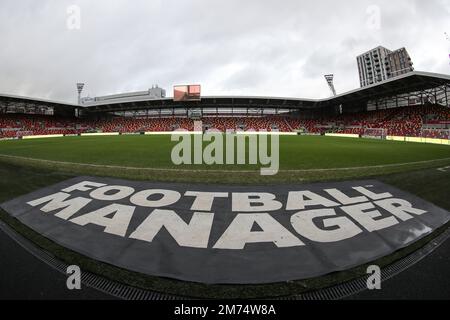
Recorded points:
403,84
406,83
12,97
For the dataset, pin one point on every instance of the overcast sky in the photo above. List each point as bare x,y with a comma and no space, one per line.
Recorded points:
240,47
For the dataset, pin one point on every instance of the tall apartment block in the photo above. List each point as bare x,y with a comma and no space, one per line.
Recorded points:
380,64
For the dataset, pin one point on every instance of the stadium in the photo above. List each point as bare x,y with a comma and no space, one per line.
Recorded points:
131,131
385,146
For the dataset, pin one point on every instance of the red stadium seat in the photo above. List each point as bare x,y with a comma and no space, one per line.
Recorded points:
404,121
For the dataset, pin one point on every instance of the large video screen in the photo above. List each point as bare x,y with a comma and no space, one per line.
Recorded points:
187,92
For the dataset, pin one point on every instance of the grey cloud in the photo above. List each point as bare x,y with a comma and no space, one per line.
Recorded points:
250,47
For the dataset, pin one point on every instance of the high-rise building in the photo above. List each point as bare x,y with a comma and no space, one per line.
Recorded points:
380,64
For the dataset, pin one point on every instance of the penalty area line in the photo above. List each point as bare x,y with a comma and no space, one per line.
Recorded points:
216,170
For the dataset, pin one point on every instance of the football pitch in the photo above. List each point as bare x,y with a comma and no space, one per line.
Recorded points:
301,158
28,165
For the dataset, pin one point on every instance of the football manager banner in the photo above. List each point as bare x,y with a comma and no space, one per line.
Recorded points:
228,234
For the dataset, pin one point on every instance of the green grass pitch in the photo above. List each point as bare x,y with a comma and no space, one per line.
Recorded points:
296,152
412,167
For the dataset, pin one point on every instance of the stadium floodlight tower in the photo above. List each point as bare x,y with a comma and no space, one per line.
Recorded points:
80,87
329,78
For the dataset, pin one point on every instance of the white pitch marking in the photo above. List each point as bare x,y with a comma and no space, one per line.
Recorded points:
219,171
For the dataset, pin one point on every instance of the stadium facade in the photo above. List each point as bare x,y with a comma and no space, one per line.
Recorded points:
409,89
403,106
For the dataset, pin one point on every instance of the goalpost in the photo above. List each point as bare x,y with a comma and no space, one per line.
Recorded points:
435,133
374,133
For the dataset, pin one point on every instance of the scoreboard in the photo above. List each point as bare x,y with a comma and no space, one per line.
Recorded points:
187,92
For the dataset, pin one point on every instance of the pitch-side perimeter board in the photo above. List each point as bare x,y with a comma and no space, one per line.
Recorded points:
228,234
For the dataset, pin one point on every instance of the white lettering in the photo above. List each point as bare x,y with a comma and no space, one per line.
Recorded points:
303,223
195,234
58,201
121,193
243,202
399,208
117,224
204,200
367,218
239,233
299,200
168,197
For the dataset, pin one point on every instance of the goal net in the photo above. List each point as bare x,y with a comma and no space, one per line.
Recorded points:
435,133
375,133
198,125
20,134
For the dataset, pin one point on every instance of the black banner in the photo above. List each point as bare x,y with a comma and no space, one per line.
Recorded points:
228,234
